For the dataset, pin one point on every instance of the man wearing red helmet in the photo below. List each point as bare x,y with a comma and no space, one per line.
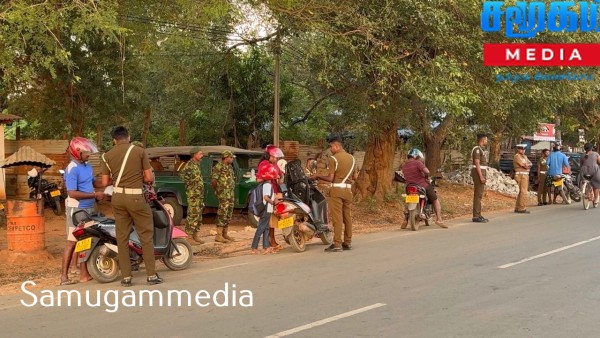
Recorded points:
80,184
268,174
271,158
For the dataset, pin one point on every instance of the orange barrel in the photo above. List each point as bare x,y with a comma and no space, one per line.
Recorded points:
25,225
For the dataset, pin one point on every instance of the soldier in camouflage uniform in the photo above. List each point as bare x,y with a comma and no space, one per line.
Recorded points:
223,181
194,188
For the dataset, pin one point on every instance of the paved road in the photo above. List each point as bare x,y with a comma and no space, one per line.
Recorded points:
430,283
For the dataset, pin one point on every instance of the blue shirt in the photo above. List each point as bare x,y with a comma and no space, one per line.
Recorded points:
556,161
80,177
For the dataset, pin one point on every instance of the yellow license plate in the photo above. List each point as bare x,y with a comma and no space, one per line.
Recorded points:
557,183
412,199
84,244
55,193
285,222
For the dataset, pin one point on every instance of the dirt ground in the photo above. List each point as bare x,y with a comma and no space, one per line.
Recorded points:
369,216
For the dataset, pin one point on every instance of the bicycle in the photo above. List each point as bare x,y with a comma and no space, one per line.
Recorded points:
588,192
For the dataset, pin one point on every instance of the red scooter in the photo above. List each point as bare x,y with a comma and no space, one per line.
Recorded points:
97,243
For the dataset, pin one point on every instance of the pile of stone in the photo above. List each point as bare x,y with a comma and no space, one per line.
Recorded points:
496,180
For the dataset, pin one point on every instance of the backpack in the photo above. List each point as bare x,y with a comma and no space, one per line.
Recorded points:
256,204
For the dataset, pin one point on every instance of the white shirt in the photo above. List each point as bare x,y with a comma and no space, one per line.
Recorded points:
268,191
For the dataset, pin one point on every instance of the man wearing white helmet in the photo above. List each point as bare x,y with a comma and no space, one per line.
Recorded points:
415,172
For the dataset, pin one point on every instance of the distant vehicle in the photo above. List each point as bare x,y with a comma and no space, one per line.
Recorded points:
171,188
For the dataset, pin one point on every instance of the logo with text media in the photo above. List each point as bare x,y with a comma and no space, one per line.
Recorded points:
525,19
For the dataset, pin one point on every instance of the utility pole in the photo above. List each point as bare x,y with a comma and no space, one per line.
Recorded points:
276,90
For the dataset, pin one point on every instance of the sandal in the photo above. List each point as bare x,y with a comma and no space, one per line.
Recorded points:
254,251
68,282
269,251
441,224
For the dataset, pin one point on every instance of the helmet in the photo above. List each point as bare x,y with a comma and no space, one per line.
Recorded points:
415,153
268,172
79,145
274,151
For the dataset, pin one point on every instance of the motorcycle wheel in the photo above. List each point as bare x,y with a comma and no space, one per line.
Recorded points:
101,267
428,212
412,220
326,237
576,194
565,195
297,240
57,207
181,261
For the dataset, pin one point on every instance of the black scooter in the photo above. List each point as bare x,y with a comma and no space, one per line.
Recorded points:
97,243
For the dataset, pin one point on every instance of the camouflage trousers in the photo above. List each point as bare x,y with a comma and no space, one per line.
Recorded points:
225,212
193,220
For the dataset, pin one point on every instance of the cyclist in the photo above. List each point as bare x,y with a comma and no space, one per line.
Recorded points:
589,166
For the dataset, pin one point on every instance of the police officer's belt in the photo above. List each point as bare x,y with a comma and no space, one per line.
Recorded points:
521,173
481,166
342,185
128,191
542,172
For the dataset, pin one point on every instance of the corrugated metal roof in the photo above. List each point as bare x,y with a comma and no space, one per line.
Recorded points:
185,150
27,156
8,118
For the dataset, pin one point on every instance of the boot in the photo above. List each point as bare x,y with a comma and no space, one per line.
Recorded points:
226,236
197,238
219,237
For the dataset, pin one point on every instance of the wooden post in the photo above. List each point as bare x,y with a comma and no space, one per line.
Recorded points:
2,178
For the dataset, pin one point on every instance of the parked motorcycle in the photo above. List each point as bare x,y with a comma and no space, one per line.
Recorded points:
418,207
563,185
40,188
97,243
302,213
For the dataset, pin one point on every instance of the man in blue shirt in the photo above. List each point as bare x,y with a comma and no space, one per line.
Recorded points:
556,162
80,183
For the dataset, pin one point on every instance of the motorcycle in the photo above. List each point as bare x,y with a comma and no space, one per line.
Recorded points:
563,185
302,212
418,207
50,192
97,243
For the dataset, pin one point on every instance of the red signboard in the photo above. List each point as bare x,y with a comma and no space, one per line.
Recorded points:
545,132
539,54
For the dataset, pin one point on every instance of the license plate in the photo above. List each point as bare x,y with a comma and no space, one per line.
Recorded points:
412,199
84,244
285,222
557,183
55,193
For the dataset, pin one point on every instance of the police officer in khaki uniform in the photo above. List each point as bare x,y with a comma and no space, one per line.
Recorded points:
478,173
341,169
543,190
521,165
127,167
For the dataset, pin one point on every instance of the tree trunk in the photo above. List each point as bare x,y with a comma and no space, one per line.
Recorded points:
182,132
146,129
496,143
375,178
99,136
433,138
